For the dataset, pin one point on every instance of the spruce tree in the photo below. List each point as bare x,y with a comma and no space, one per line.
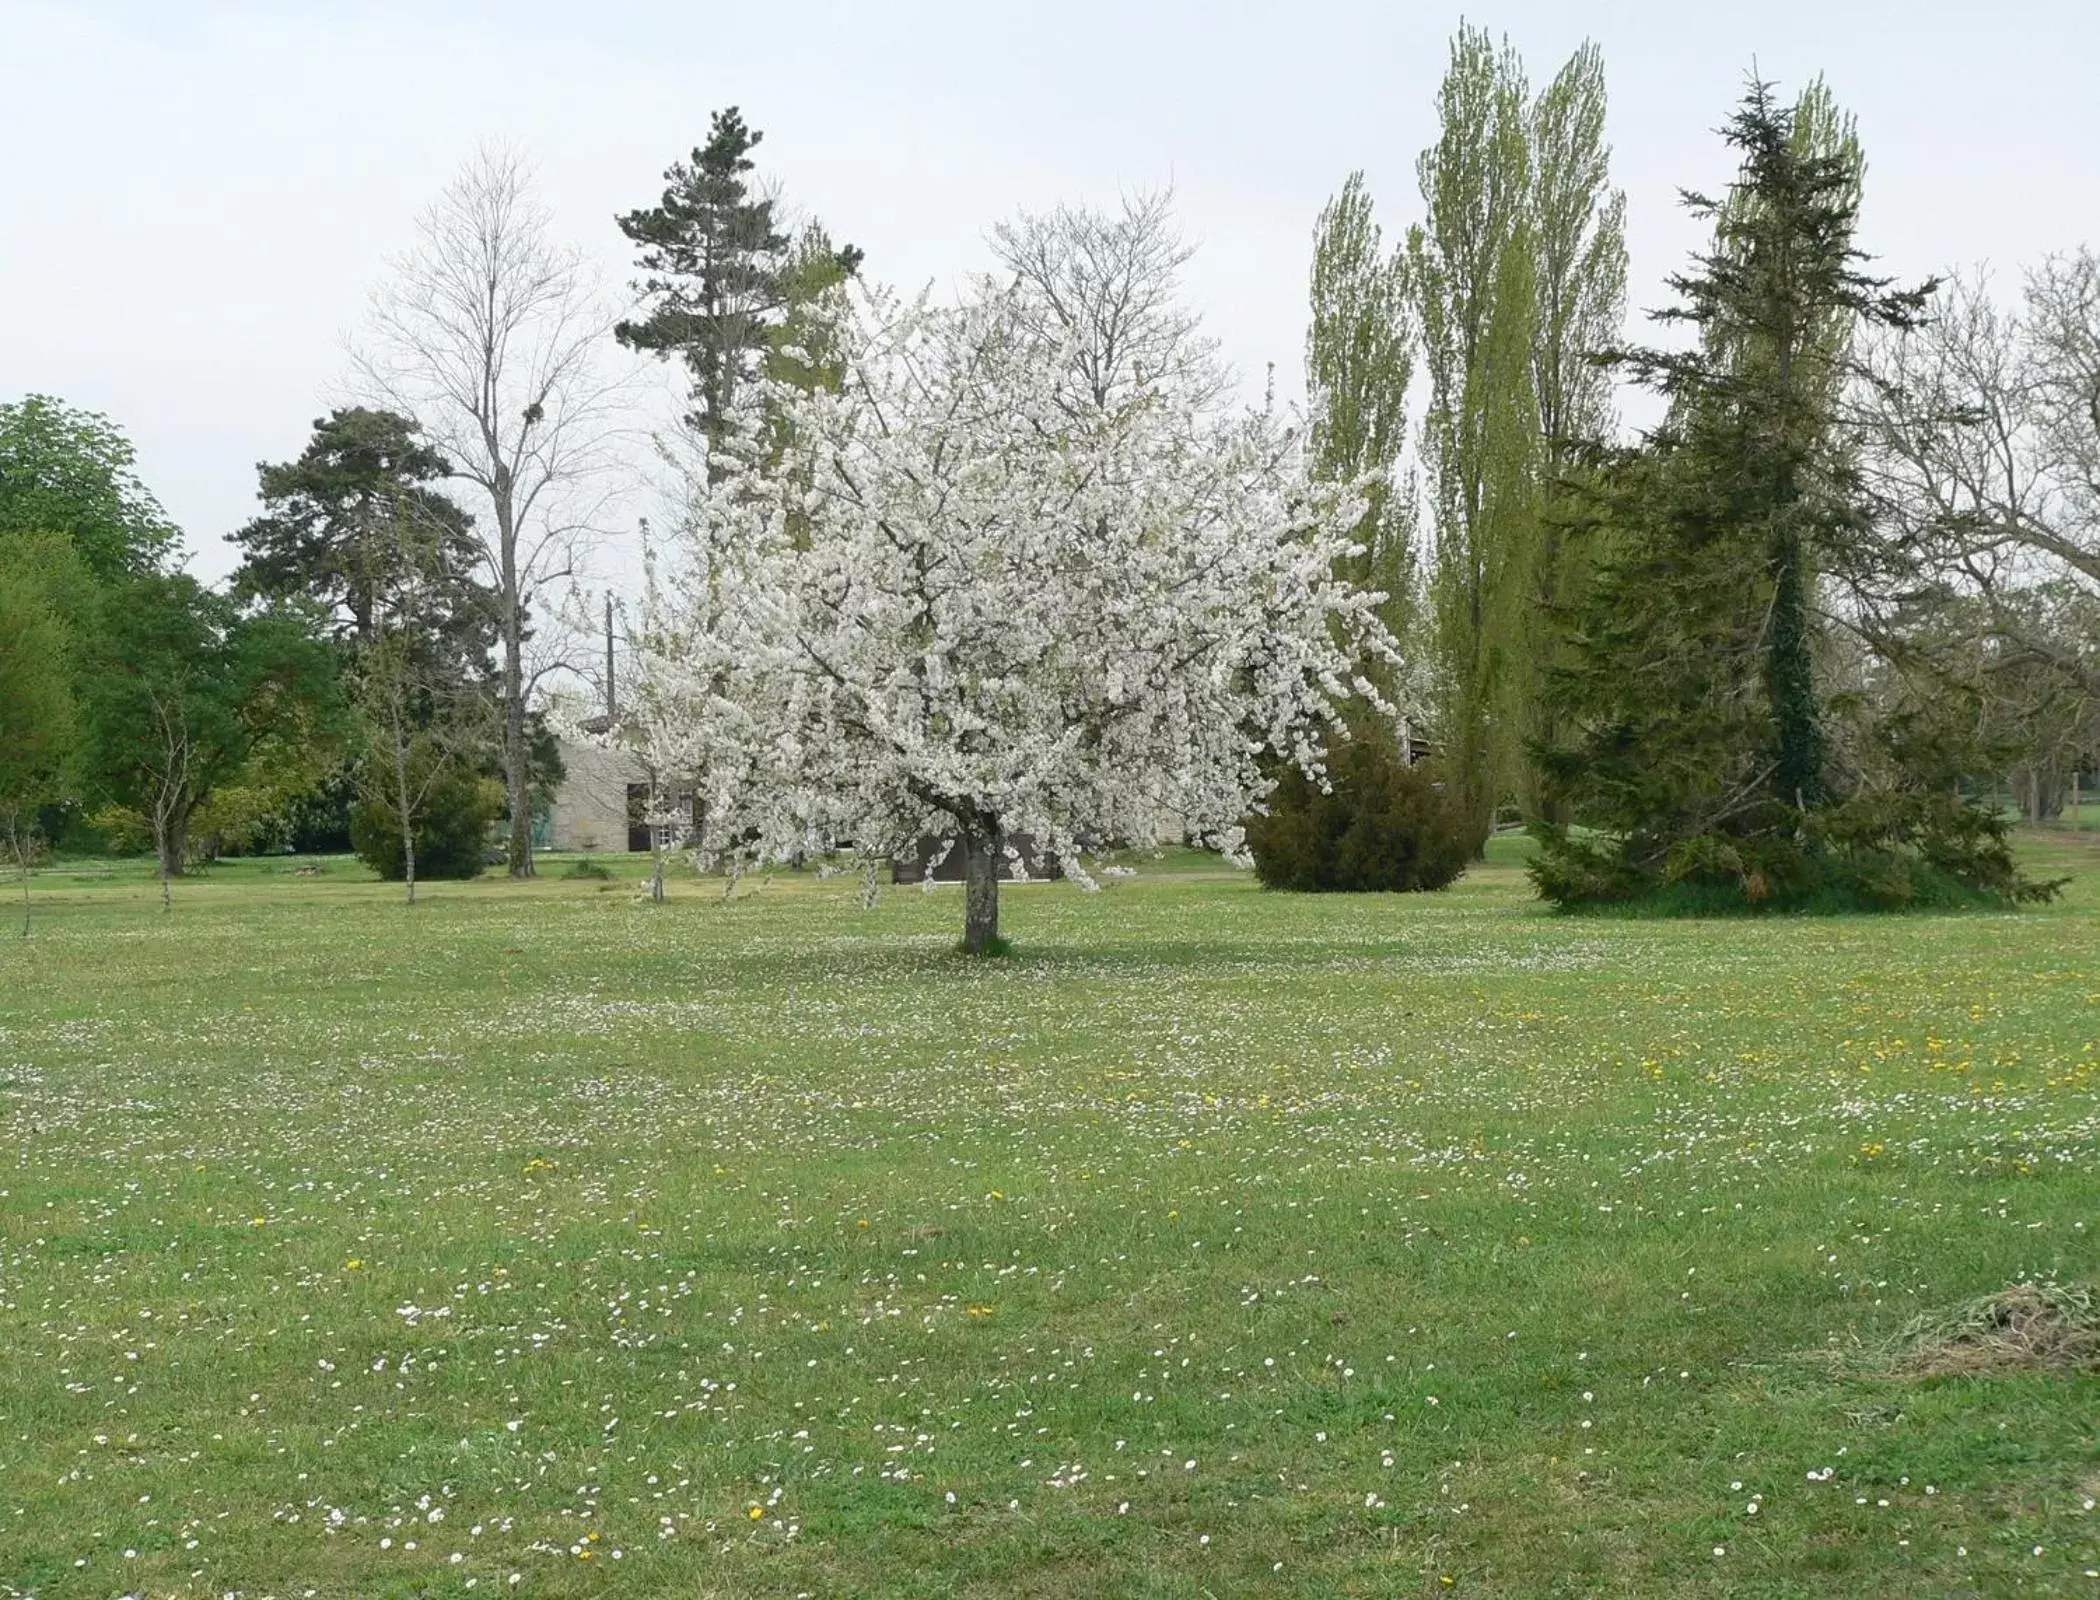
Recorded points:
1699,752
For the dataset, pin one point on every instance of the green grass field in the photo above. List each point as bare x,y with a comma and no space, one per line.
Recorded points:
545,1241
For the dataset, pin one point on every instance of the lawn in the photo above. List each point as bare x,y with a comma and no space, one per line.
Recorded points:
545,1241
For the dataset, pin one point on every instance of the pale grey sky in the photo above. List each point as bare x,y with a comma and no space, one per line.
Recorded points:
196,195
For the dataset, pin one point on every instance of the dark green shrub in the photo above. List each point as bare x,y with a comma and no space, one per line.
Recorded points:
585,867
451,826
1382,825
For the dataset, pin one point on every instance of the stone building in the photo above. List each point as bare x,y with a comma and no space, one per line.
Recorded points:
600,804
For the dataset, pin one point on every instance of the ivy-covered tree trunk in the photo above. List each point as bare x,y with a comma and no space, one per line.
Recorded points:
982,846
1790,679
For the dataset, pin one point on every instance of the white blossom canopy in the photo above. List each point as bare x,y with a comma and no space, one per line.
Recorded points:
966,595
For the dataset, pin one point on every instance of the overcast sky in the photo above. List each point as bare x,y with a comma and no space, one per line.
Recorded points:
197,195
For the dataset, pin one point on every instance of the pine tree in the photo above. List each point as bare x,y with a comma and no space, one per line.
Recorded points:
1699,753
722,276
329,536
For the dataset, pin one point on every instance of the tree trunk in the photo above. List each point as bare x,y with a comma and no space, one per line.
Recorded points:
407,815
408,847
516,780
18,839
1790,679
171,845
981,852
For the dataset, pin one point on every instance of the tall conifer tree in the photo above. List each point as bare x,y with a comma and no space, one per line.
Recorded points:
1698,753
722,276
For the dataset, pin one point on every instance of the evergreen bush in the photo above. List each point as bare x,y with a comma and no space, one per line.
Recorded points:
1380,825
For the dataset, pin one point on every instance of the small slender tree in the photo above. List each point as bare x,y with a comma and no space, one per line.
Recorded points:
424,724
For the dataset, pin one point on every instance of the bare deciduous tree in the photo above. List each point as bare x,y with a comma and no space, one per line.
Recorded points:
491,335
1107,286
1980,437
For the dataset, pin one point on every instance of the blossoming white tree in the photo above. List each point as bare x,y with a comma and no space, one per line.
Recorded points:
978,591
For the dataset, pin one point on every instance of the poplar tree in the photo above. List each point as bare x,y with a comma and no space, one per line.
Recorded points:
1471,262
1579,272
1359,359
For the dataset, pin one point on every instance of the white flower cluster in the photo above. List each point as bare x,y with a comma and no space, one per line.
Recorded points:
969,594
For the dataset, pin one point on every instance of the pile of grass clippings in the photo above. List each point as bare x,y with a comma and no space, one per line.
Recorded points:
2027,1327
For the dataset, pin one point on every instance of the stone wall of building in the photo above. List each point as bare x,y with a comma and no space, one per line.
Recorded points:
590,806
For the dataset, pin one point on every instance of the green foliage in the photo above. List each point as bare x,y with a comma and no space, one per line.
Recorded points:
1698,761
1472,267
36,695
179,693
451,819
722,281
1579,274
72,472
357,528
1512,283
1380,825
585,867
36,714
318,822
1358,363
256,809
